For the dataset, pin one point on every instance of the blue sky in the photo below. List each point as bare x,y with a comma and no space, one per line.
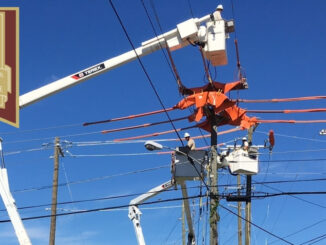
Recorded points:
282,49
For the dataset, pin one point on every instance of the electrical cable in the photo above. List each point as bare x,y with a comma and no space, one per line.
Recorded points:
221,196
171,231
299,198
314,240
142,204
190,8
257,226
171,63
144,70
291,136
301,230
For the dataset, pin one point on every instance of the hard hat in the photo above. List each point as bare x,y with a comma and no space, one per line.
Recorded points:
219,7
244,139
187,135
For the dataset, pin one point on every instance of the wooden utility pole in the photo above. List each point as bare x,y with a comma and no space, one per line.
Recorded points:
214,216
239,212
248,211
248,193
54,191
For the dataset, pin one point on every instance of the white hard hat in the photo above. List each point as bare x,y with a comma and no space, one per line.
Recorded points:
187,135
244,139
219,7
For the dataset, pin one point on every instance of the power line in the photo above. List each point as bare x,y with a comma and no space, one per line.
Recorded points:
301,199
257,226
144,70
302,229
172,67
93,179
291,136
314,240
221,196
143,204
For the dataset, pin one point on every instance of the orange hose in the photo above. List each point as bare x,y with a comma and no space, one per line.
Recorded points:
171,131
287,111
129,117
291,121
141,126
282,100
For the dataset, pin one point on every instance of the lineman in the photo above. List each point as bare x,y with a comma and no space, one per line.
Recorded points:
245,144
191,143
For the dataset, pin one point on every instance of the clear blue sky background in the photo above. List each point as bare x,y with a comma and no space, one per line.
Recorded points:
282,48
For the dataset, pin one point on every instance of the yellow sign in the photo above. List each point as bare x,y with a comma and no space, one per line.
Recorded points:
9,66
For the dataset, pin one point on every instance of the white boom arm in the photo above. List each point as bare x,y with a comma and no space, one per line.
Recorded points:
213,37
10,205
134,212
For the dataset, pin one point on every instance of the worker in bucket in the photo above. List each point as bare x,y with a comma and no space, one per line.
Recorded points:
245,144
190,142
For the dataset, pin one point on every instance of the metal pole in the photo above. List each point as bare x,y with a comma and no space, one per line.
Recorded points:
191,233
54,191
248,211
183,224
239,212
214,216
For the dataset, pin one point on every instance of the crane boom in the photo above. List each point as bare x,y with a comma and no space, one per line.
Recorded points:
186,32
134,212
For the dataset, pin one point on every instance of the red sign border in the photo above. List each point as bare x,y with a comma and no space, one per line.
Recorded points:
16,123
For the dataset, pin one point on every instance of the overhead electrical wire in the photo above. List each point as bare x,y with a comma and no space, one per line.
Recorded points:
300,230
93,179
257,226
293,196
291,136
153,169
314,240
257,196
170,62
144,70
143,204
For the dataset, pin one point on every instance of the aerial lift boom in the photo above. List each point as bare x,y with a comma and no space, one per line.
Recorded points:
10,204
212,37
134,212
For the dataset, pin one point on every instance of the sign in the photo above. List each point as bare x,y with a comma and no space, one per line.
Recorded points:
9,66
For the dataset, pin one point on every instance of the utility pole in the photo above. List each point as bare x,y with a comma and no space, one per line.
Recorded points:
214,216
248,194
239,212
57,150
248,211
